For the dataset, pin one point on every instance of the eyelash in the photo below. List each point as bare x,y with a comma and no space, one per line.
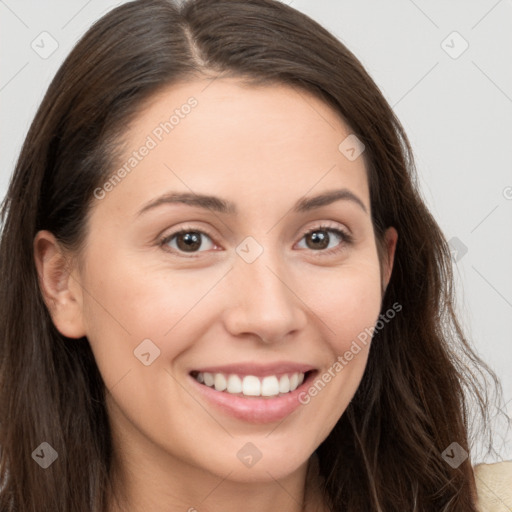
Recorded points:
346,239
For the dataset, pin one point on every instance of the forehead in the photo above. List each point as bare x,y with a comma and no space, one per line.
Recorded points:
206,135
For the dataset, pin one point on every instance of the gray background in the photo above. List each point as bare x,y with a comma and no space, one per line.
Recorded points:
454,102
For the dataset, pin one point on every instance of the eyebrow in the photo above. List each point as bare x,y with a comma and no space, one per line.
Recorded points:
227,207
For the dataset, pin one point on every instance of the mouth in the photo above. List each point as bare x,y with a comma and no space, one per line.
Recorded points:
268,386
255,394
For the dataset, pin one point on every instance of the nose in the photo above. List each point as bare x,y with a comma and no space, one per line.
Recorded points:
262,302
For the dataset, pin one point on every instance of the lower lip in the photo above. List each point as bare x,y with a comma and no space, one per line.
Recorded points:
254,409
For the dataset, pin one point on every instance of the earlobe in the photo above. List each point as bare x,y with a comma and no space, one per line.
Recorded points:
61,291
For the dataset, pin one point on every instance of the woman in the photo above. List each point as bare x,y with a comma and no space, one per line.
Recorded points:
227,291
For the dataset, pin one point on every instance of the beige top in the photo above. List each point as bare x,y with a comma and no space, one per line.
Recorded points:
494,486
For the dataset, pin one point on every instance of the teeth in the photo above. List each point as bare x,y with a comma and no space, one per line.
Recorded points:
208,379
234,384
284,384
220,382
270,386
250,385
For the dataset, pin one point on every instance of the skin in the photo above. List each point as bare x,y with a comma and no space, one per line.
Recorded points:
263,148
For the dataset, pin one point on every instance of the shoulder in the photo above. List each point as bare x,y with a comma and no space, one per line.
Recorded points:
494,486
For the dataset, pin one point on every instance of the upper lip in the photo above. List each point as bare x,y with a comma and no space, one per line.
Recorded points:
258,370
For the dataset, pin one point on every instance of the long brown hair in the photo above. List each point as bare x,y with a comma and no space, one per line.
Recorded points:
384,454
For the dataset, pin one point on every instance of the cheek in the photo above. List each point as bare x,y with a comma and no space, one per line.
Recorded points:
126,305
347,306
347,301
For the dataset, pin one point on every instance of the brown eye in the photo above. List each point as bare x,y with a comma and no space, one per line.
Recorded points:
326,239
319,239
189,241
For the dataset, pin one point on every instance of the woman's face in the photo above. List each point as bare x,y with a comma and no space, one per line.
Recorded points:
265,283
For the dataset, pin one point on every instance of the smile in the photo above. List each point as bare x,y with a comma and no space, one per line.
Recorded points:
251,385
253,393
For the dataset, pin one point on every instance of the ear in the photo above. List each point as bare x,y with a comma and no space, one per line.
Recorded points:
390,240
59,285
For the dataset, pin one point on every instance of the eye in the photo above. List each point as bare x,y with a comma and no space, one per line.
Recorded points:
187,240
321,238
